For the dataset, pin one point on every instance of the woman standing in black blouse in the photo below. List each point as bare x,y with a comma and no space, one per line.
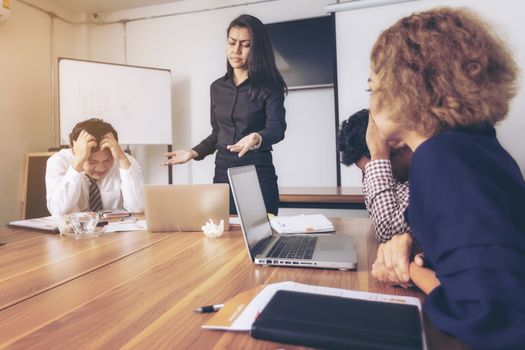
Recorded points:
247,110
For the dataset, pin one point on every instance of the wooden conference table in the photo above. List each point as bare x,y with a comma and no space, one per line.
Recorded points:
137,290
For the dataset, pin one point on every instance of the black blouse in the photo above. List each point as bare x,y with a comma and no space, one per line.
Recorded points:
234,115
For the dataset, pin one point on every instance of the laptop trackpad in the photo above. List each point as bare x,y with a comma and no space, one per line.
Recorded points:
329,246
335,248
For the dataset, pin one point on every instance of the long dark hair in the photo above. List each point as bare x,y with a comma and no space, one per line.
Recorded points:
262,71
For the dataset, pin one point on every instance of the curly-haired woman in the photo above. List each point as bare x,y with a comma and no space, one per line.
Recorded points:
440,80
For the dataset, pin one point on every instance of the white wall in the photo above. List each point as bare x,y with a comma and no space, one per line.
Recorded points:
25,95
358,29
306,157
192,45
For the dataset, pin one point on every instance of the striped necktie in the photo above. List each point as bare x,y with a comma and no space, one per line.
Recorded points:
95,201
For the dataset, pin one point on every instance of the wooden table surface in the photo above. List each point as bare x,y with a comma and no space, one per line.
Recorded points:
137,290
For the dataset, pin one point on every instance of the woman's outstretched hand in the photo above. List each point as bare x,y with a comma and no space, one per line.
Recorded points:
245,144
180,156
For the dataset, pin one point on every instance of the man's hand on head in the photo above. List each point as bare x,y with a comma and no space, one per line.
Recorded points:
180,156
109,142
82,148
379,149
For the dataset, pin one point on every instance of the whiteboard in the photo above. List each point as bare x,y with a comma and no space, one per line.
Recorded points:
135,100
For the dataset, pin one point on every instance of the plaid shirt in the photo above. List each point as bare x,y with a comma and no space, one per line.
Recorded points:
386,199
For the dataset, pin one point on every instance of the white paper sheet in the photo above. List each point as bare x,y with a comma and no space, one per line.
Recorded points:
47,223
122,226
302,224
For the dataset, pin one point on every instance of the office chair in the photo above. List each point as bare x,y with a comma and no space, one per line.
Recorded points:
34,186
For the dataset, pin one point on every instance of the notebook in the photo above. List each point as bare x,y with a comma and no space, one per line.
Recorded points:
299,250
333,322
176,208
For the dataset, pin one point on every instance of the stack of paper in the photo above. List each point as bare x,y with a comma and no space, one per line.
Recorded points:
302,224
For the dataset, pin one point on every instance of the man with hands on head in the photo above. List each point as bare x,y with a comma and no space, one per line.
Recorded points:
385,173
396,261
393,256
94,174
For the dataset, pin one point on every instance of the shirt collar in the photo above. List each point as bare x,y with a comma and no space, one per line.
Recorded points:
228,77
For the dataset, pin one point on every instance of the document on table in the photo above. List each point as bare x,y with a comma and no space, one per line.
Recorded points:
302,224
239,313
50,223
47,223
235,220
122,226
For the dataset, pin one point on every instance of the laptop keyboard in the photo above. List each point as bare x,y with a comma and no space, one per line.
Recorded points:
293,247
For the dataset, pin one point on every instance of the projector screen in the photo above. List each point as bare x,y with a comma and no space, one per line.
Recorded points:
135,100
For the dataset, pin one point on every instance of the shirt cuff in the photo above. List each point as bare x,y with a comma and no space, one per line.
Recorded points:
378,175
200,151
73,174
129,171
378,167
378,178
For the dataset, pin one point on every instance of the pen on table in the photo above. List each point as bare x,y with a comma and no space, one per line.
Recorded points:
209,308
102,223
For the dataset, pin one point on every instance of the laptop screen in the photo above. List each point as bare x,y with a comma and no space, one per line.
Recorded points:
250,205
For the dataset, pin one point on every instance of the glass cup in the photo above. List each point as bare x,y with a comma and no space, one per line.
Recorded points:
65,227
85,225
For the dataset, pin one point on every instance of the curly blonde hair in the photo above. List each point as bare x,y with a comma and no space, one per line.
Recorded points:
443,68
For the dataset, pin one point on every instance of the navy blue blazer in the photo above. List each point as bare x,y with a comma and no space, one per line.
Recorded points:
467,211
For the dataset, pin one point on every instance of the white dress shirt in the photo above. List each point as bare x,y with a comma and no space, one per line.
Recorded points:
68,189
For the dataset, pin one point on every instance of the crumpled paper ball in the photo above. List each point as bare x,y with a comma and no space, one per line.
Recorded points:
212,230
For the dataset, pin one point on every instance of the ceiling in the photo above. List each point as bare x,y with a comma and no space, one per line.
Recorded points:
92,6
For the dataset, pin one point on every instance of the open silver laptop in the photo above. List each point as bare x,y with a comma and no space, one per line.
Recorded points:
308,250
170,208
